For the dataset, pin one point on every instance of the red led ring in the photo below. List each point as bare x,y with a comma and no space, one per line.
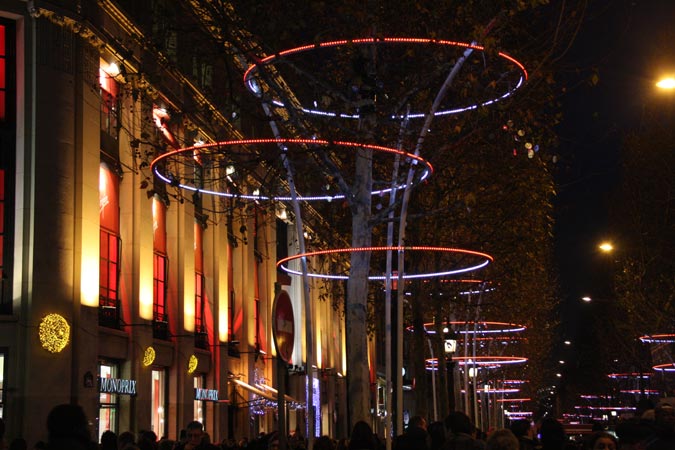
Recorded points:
198,152
667,338
254,87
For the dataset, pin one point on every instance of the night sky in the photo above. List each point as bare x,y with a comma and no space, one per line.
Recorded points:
621,42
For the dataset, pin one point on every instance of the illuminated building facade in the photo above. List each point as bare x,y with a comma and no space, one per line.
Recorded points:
147,307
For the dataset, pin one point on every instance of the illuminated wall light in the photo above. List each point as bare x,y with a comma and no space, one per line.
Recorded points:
149,356
145,285
192,364
113,69
54,333
318,360
89,281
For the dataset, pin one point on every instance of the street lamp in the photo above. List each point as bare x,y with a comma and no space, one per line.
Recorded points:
586,298
606,247
667,83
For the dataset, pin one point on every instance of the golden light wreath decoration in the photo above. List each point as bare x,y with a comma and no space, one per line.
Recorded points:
192,363
149,356
54,333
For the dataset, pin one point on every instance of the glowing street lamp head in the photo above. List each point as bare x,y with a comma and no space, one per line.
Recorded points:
606,247
667,83
586,298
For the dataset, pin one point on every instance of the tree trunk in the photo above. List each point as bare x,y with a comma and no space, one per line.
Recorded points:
357,293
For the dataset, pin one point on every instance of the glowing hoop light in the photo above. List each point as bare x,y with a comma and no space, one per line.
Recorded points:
627,375
479,361
608,408
488,360
486,259
658,338
668,367
253,85
196,154
593,396
486,327
640,391
496,391
515,381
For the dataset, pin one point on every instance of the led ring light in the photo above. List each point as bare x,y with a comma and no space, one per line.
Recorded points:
252,84
628,375
488,327
479,361
194,153
668,367
658,338
486,259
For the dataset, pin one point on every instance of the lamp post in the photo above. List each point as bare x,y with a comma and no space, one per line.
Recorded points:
450,346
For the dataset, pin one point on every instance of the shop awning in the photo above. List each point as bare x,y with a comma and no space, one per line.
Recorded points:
255,390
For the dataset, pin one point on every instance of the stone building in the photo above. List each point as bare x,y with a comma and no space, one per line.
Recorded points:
148,306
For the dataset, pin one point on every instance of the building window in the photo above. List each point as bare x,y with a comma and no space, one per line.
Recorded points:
6,35
108,404
110,244
7,158
159,272
158,402
2,385
159,315
201,335
109,102
199,405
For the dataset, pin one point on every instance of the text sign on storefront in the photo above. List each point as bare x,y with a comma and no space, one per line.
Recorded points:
117,386
206,394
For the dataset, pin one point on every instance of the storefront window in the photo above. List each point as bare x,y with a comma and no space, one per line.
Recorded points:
108,403
2,385
158,402
200,405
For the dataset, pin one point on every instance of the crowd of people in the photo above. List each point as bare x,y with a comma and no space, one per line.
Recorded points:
68,429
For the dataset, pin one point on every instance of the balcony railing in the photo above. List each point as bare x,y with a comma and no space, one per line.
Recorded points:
109,313
160,327
202,340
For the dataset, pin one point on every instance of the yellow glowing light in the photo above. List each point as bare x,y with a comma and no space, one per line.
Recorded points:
192,364
666,83
149,356
606,247
54,333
